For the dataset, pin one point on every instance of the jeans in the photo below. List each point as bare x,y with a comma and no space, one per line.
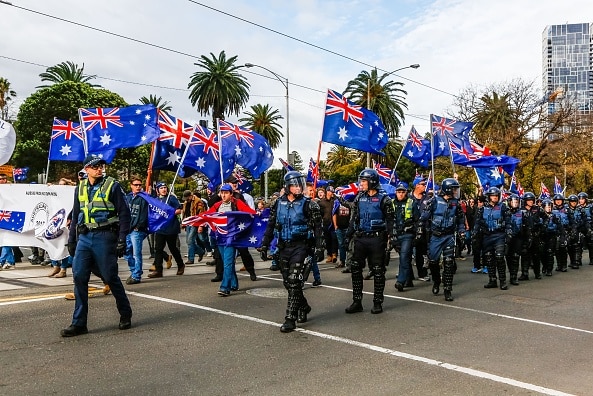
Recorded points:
97,251
134,253
229,276
205,239
405,258
341,235
191,234
63,263
6,257
315,269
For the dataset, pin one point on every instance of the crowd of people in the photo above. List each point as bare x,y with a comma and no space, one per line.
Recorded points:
429,231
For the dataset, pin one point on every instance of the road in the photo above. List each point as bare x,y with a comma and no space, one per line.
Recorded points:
534,338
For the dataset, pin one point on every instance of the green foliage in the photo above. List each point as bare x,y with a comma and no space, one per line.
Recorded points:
66,71
35,119
157,102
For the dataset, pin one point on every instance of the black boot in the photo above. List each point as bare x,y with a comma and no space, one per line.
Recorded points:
514,280
491,280
377,308
288,326
303,312
355,307
448,295
523,277
347,270
436,288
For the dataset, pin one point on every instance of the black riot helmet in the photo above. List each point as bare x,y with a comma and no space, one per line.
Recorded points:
450,187
547,205
294,178
558,197
582,195
372,177
573,198
529,196
493,192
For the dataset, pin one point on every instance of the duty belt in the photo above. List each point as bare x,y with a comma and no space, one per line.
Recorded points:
293,243
369,234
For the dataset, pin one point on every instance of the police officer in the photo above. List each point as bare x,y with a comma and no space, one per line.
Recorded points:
444,219
533,216
517,236
552,232
406,218
370,229
560,209
101,222
581,228
588,239
298,224
490,224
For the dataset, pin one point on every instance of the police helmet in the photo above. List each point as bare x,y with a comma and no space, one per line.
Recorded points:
514,201
401,187
371,176
558,197
493,192
529,195
547,205
448,186
583,195
294,178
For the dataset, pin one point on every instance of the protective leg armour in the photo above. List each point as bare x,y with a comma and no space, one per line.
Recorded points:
357,281
379,284
448,271
489,262
294,284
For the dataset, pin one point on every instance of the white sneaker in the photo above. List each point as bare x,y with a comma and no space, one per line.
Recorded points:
209,254
8,266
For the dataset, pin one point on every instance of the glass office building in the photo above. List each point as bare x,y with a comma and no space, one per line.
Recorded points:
568,64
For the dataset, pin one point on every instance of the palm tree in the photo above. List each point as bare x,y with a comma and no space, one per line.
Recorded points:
496,120
6,96
339,156
159,103
66,71
384,99
264,120
219,88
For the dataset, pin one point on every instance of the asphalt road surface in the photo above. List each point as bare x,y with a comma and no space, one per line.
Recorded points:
536,338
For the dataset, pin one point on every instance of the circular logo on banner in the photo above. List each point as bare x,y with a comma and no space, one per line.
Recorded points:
54,226
39,217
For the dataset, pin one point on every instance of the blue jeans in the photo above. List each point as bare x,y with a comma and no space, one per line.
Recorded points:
6,257
134,253
229,276
63,263
405,258
193,248
341,235
97,250
315,269
205,239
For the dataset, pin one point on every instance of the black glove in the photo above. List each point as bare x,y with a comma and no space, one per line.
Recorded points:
318,254
71,248
263,253
121,248
589,234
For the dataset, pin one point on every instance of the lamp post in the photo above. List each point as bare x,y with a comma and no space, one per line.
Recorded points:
284,82
413,66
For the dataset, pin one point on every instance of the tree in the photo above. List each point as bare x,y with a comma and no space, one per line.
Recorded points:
263,120
159,103
218,89
66,71
384,99
6,96
34,122
339,156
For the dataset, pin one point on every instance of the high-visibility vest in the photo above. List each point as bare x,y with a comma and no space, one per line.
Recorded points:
99,209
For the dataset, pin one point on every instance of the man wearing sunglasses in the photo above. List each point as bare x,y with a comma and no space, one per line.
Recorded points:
100,224
138,231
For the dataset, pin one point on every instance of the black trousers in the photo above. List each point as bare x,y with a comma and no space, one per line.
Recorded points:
159,246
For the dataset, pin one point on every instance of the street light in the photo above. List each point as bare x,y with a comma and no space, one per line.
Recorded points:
284,82
413,66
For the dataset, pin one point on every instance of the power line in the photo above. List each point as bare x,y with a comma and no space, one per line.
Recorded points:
232,16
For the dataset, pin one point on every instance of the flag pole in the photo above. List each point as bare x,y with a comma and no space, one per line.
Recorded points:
320,141
48,160
431,149
401,153
84,142
451,154
182,159
149,170
219,150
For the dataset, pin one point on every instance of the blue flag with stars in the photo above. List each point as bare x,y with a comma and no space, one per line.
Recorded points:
12,220
417,149
350,125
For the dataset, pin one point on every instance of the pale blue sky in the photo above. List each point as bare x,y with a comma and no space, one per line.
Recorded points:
456,42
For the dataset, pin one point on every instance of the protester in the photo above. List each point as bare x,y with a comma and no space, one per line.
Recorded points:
138,231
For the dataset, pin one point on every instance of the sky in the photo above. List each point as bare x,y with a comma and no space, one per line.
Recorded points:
315,44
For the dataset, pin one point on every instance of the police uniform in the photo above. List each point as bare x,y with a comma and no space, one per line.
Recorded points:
517,237
444,218
101,222
568,228
406,217
491,228
533,216
370,228
577,236
552,234
296,221
588,238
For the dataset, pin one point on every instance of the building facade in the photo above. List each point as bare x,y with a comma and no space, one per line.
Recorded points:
568,65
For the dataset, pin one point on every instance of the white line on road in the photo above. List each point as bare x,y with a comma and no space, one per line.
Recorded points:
375,348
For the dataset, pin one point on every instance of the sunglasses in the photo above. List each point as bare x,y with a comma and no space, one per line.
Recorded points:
137,184
95,167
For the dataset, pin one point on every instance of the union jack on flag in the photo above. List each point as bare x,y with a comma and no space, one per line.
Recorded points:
240,133
545,193
337,104
174,130
208,139
479,150
459,149
443,129
386,175
67,129
557,186
100,116
217,221
348,191
313,173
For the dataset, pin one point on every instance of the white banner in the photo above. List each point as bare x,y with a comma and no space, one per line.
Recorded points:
35,215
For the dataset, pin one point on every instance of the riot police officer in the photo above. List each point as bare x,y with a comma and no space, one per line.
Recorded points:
576,237
569,228
517,236
552,232
370,228
588,239
530,256
406,217
297,221
443,218
490,225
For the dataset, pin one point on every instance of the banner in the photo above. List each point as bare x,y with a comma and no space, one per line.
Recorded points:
35,215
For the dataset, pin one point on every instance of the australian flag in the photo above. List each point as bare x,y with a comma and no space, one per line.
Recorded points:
67,143
171,145
243,185
119,127
545,193
20,174
417,149
557,186
287,167
386,175
204,155
350,125
490,177
249,149
159,213
507,163
348,192
445,128
12,220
